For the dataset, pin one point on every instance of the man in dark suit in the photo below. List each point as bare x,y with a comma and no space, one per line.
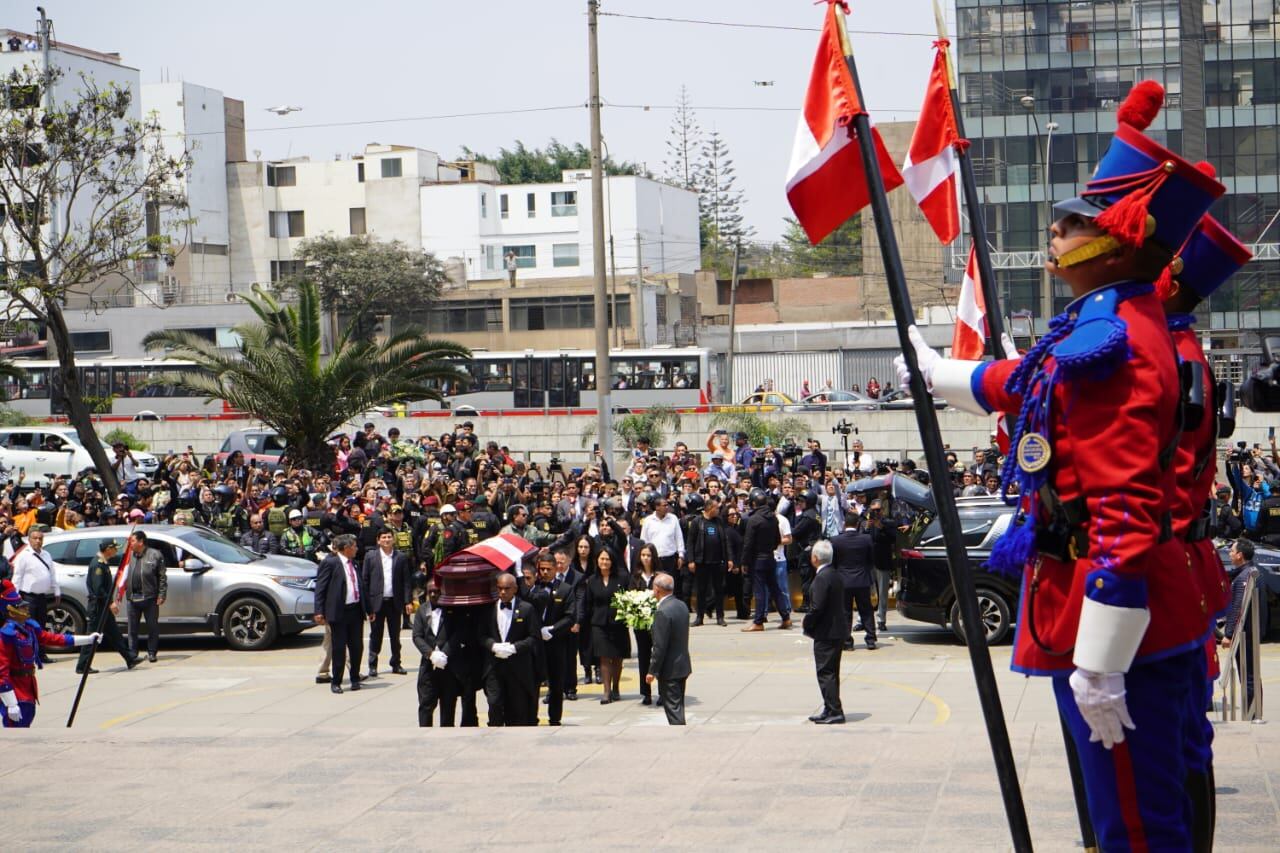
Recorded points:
509,636
669,664
385,579
567,573
436,684
558,641
827,625
853,562
338,605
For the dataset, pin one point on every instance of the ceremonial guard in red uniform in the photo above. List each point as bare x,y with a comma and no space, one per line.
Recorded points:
1210,256
20,641
1104,609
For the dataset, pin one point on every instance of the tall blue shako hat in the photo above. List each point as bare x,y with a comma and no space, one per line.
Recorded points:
1141,190
1210,256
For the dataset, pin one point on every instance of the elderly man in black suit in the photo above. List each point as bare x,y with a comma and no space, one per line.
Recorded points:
436,684
509,636
854,563
827,625
386,578
669,664
339,605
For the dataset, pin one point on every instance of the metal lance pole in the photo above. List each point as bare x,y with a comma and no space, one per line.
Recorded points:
931,438
604,409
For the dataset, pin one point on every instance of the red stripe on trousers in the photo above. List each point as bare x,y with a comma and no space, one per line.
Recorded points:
1127,791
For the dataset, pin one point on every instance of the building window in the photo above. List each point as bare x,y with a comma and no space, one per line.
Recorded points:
153,218
478,315
491,257
564,255
531,205
357,220
564,203
504,211
526,256
282,176
484,205
562,312
287,223
99,341
283,269
360,172
392,167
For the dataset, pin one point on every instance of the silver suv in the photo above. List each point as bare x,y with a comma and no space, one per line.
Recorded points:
214,584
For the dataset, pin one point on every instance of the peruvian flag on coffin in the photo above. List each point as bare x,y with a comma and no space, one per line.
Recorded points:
825,182
930,170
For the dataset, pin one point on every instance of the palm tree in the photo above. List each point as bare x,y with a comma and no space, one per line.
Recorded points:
278,375
651,424
776,430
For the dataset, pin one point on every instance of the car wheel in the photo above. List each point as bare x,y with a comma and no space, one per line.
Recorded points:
249,624
65,618
994,611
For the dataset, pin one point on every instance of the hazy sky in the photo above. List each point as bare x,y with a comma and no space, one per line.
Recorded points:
377,71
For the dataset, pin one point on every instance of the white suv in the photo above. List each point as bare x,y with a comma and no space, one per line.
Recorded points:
51,450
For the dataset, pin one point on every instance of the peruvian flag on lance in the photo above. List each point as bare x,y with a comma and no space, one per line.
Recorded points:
970,337
932,161
825,181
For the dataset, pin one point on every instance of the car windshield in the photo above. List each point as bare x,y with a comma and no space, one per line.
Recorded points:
217,547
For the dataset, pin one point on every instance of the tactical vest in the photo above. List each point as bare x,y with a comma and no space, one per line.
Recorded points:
224,522
1269,516
295,540
476,531
404,539
277,520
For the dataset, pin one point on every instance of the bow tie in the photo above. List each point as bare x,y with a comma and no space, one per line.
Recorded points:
506,605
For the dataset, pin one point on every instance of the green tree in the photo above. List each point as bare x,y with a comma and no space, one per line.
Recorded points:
78,177
719,206
278,375
521,165
839,254
684,143
651,424
359,277
761,430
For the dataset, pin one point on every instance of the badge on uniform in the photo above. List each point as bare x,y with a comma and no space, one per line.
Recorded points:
1034,452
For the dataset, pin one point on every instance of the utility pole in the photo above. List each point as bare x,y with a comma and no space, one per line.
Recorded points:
604,408
640,291
613,286
44,25
733,321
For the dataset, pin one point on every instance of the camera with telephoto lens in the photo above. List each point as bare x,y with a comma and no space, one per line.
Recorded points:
1261,390
554,464
1240,454
791,450
844,428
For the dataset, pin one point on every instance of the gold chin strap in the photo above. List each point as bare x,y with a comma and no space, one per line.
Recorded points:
1097,247
19,614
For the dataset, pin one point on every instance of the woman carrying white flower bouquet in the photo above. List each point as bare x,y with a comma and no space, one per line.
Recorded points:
642,579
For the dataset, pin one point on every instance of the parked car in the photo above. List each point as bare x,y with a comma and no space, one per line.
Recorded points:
834,401
50,449
214,585
895,399
1267,559
260,446
761,401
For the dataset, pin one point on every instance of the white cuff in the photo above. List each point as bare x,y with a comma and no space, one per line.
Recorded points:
82,639
9,699
951,379
1108,637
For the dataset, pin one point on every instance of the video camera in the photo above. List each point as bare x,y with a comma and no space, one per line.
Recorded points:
554,465
791,450
1261,390
1240,454
843,427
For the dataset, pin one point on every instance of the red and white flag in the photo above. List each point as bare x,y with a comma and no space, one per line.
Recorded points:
932,161
825,181
970,337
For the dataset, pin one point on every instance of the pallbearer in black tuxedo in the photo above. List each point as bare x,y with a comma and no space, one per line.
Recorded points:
436,684
509,638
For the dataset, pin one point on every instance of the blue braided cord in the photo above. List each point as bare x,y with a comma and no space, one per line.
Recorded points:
1181,322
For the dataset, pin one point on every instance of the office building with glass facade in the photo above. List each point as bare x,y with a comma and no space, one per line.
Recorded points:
1039,84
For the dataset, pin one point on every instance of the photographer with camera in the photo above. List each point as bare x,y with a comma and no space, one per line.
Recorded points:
1250,488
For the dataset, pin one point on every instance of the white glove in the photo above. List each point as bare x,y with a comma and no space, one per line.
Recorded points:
86,639
1100,698
926,357
546,635
439,659
1010,351
10,701
503,650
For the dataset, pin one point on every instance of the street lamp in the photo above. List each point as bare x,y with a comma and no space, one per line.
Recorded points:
1028,103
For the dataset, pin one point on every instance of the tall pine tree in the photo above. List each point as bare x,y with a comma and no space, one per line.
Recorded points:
684,141
719,206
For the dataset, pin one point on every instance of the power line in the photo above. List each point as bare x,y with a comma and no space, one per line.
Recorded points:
746,26
361,122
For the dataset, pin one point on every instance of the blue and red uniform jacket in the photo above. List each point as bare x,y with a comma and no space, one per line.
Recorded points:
20,656
1108,425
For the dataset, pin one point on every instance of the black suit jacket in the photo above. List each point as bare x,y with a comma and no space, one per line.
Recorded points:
853,558
826,618
559,609
331,588
670,657
371,580
593,603
525,634
424,638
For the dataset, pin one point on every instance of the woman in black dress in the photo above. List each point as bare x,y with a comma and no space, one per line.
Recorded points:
610,641
582,559
642,578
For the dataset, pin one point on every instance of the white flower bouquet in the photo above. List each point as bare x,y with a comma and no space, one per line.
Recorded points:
636,607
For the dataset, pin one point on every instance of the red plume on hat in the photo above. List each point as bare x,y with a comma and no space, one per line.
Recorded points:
1127,219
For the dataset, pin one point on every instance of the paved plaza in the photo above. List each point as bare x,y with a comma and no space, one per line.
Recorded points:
210,749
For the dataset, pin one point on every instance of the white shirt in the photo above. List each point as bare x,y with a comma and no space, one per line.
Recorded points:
126,471
435,616
386,572
784,530
33,573
353,585
664,534
504,619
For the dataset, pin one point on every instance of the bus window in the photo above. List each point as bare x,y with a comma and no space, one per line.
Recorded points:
37,384
687,374
10,387
623,375
588,375
497,376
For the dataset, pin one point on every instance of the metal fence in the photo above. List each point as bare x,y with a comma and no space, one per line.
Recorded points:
1244,662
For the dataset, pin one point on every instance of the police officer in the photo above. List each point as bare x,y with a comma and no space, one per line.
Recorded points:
454,536
100,587
483,521
403,535
231,519
1101,611
475,530
298,539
